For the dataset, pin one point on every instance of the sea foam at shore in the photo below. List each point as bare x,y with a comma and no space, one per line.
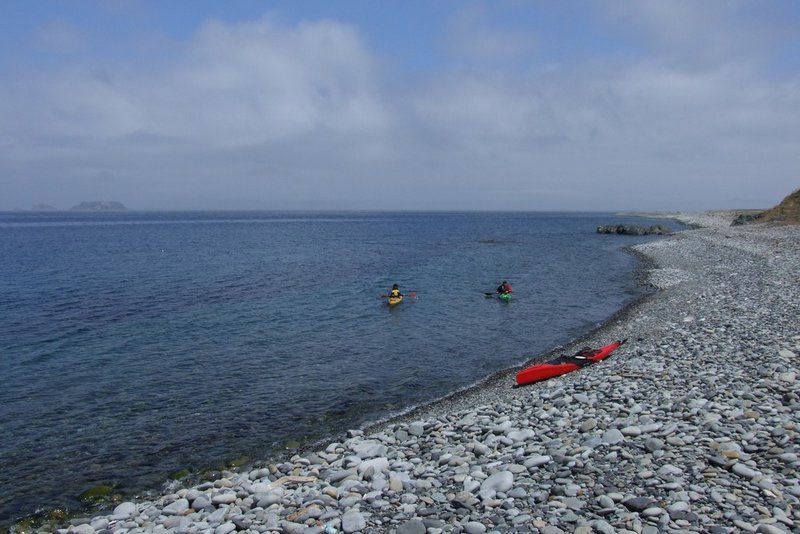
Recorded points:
692,426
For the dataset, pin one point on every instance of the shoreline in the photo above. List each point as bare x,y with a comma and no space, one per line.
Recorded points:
677,444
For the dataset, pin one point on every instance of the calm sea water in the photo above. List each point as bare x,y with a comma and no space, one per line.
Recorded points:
136,344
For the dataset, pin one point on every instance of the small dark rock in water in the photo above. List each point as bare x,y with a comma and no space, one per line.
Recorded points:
96,493
632,229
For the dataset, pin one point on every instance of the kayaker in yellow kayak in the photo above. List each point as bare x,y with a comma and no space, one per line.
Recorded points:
395,292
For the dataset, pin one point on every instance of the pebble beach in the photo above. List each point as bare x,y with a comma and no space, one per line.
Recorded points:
692,426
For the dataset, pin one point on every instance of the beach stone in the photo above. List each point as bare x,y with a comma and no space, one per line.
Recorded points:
124,510
218,516
479,449
225,528
201,502
743,471
536,461
652,445
518,493
521,435
612,436
179,507
223,498
474,527
290,527
413,526
376,464
637,504
603,527
416,428
369,449
605,501
769,529
353,521
500,482
789,376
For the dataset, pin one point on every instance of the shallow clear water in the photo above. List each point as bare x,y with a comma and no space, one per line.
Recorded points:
135,344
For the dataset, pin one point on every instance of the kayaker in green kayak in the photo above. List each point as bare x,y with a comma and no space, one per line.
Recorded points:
504,288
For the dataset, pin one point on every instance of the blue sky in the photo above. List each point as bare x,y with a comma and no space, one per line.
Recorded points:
510,104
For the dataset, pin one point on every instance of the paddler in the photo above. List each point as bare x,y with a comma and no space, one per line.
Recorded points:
395,292
504,288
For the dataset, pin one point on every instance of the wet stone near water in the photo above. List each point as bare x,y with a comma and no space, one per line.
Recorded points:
690,427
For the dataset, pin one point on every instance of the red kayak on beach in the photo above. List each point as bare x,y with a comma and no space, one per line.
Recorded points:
566,364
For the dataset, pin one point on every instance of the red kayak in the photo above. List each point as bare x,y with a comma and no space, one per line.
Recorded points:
565,364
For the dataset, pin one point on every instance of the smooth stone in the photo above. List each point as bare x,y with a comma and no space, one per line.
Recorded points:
218,516
518,493
653,444
605,501
613,436
521,435
369,449
603,527
680,506
353,521
223,498
178,507
378,464
638,504
769,529
536,461
124,510
416,429
789,376
588,425
413,526
743,471
203,501
225,528
500,482
474,527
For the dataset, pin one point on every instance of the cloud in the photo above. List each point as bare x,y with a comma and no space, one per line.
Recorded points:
268,115
470,36
60,37
700,34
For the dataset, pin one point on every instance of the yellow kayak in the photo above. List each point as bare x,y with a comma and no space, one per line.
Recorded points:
394,301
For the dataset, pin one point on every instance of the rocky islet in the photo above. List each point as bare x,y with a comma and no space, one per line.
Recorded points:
691,427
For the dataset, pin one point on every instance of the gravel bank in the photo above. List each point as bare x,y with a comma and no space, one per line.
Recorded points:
692,426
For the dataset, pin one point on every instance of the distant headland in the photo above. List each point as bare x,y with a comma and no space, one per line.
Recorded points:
98,205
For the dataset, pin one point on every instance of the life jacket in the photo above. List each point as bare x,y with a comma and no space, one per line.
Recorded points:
394,293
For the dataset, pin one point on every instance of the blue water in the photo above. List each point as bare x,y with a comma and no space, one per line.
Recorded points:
135,344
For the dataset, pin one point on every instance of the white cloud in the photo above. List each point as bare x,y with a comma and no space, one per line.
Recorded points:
60,37
268,115
470,36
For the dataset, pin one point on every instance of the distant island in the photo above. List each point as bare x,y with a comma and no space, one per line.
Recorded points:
98,205
42,207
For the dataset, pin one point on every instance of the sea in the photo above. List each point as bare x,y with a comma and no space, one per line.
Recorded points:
135,345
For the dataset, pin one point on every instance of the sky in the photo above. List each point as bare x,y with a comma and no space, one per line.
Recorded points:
584,105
